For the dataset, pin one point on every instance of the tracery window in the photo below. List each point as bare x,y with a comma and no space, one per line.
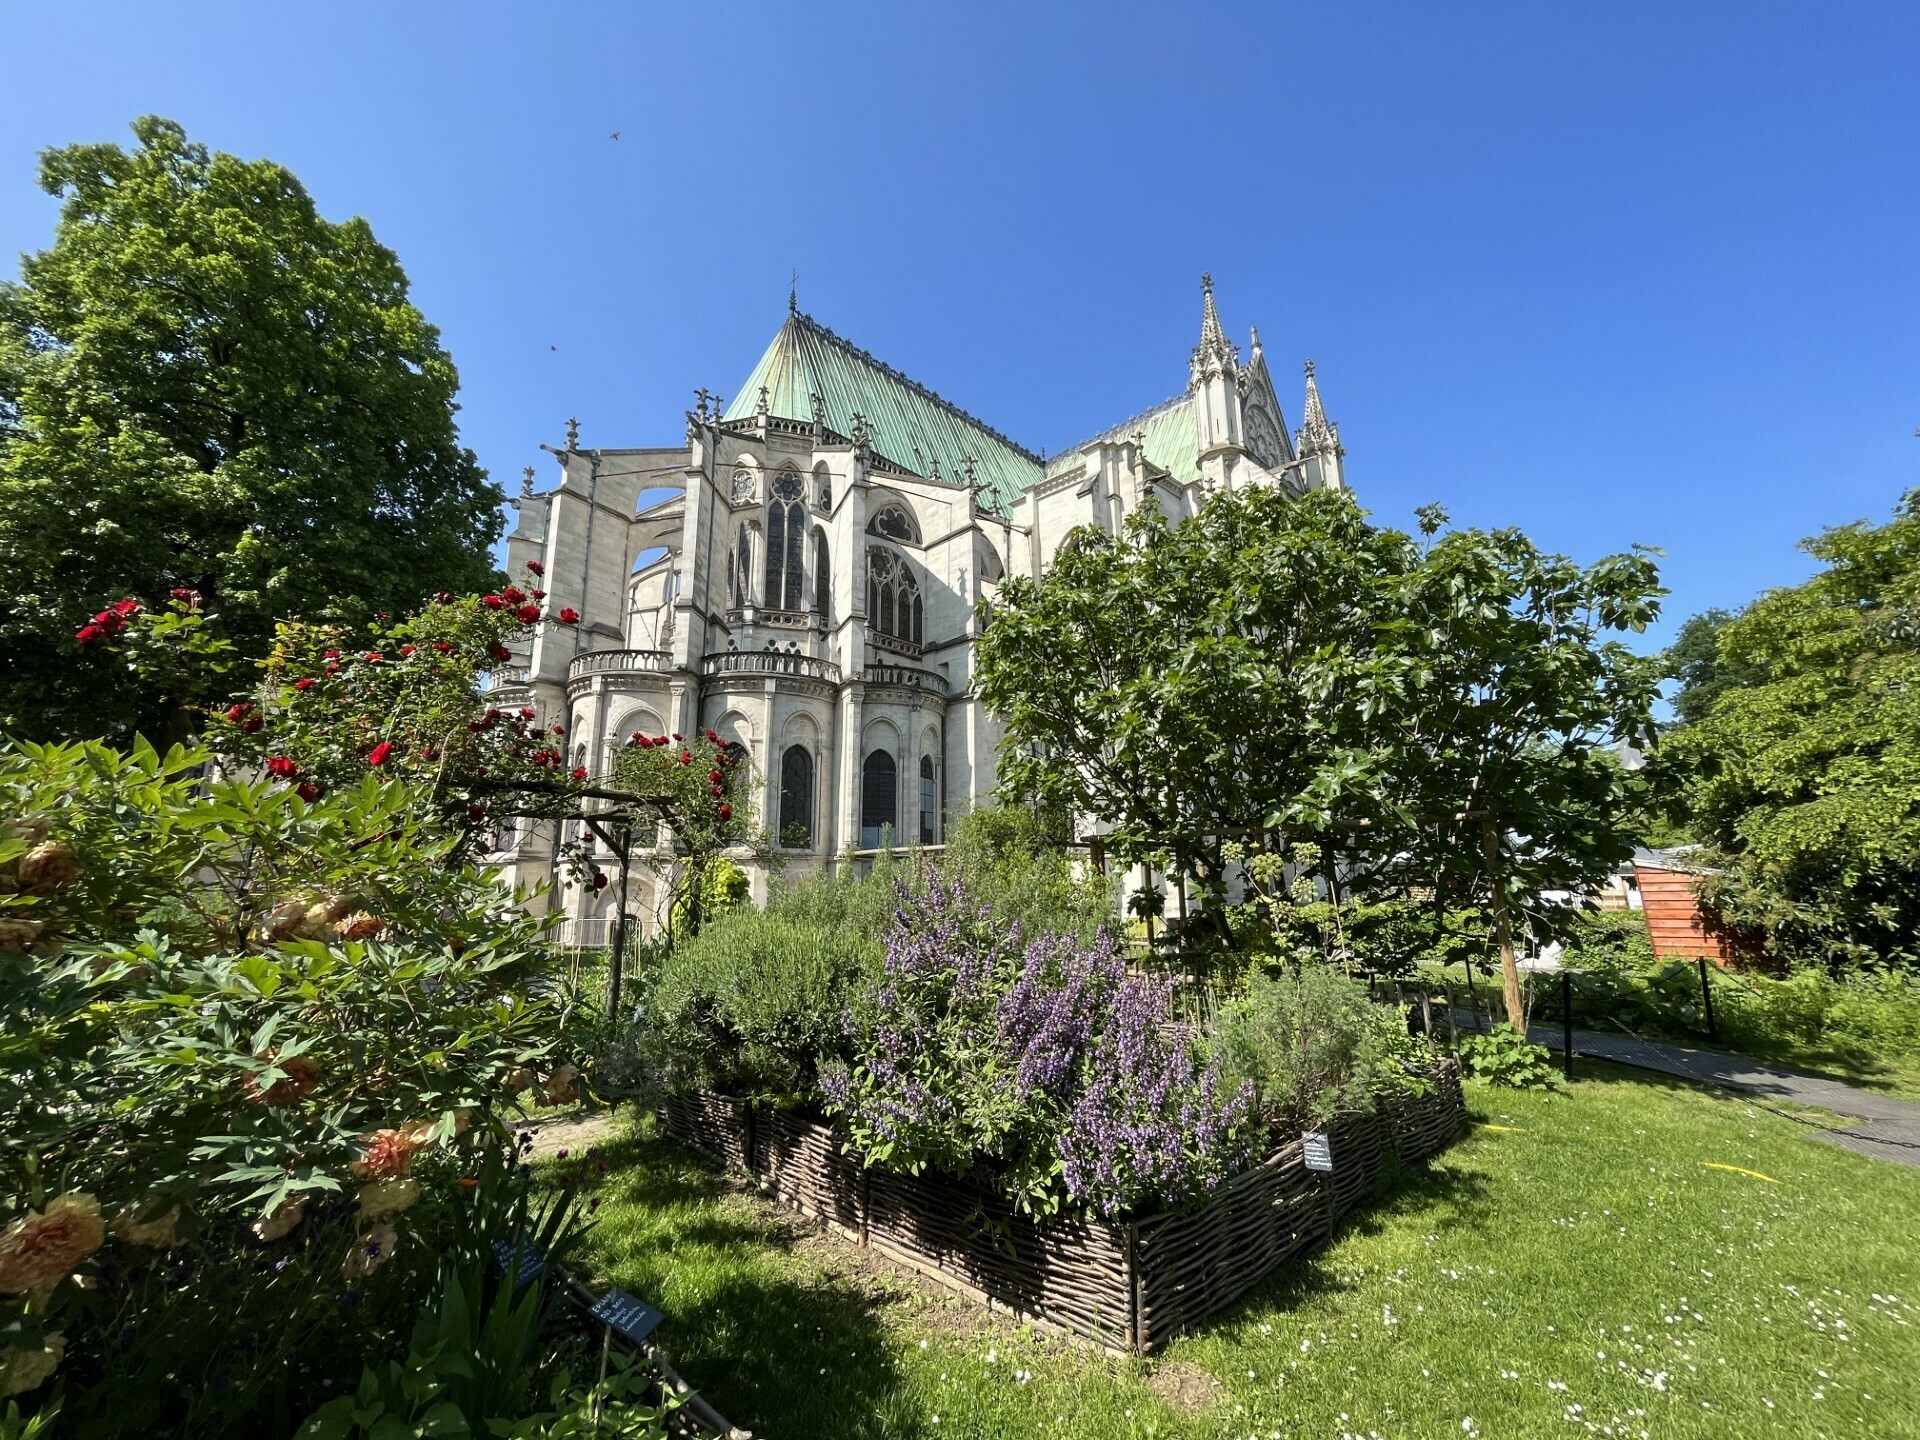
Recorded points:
894,606
878,811
742,583
822,577
894,523
929,806
786,542
796,798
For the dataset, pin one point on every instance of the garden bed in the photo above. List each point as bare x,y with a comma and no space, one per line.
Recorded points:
1129,1285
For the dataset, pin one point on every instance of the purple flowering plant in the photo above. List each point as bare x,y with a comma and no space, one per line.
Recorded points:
1042,1062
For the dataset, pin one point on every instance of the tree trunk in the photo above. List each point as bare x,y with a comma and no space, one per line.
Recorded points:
1503,927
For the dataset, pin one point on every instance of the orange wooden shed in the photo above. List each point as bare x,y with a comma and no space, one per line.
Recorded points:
1674,918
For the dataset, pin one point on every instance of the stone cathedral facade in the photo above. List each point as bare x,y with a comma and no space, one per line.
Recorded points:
810,588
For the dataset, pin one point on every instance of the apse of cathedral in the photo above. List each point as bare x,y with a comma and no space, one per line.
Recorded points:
809,583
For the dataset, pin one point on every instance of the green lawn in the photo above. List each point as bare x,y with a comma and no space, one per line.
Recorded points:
1571,1267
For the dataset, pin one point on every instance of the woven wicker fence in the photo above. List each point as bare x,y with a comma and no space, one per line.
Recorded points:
1131,1285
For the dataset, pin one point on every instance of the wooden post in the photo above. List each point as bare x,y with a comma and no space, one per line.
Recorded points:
1502,927
1706,1002
1453,1020
617,969
1426,1013
1566,1021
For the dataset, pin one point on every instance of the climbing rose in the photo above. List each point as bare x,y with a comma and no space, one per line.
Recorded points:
686,758
283,768
442,646
569,616
726,812
493,602
513,595
372,657
599,881
380,753
306,682
310,791
474,812
497,651
42,1248
539,594
529,614
125,607
406,650
580,772
330,655
88,634
536,567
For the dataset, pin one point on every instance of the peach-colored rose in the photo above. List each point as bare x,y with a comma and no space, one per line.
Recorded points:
284,1220
49,866
300,1073
23,1370
41,1249
359,927
18,934
370,1252
387,1197
390,1152
562,1086
514,1081
158,1232
281,922
324,914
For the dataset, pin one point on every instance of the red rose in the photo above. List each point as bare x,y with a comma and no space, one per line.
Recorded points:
536,567
427,752
726,812
512,595
442,597
539,594
125,607
406,650
685,758
715,776
526,712
497,651
441,647
599,881
239,712
372,657
580,772
251,724
89,634
474,812
330,655
310,790
529,614
492,602
676,734
715,739
380,753
282,767
569,616
306,682
559,729
331,670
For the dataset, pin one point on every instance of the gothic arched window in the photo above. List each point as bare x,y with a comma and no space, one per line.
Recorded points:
929,805
786,542
878,811
743,577
893,597
894,523
796,798
822,576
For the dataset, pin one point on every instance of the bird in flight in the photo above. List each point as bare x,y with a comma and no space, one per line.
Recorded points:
553,347
614,136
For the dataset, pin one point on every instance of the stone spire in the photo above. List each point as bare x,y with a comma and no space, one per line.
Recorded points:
1316,431
1215,354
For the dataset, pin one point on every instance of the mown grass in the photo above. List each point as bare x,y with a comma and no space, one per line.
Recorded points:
1573,1266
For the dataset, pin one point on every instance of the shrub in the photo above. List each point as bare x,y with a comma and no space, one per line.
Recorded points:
243,1031
1506,1057
1041,1060
1311,1043
748,1005
1615,940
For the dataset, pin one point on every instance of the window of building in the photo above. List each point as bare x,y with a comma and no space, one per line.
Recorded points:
893,597
894,523
929,802
743,577
786,542
878,812
822,577
796,798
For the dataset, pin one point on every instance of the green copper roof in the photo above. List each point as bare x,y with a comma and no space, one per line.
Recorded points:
911,426
1172,441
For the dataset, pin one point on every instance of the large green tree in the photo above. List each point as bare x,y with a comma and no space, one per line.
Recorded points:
1423,717
206,384
1804,773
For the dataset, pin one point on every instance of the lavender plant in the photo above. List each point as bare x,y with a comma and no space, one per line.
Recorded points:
1041,1061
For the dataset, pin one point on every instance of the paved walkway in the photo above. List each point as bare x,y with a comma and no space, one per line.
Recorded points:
1891,1130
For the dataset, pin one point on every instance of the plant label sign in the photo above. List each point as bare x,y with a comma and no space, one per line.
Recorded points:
1317,1150
633,1318
532,1263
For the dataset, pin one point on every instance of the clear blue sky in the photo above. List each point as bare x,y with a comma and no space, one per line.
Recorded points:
1609,273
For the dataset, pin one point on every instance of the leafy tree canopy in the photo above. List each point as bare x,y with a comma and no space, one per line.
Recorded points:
205,384
1424,714
1805,774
